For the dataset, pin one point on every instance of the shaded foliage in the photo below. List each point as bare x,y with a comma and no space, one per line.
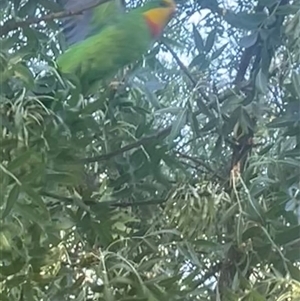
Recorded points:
178,180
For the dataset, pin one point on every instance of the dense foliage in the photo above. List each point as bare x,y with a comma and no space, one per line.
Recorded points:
178,180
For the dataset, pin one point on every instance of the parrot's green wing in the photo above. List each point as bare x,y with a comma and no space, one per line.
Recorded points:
103,54
78,27
108,12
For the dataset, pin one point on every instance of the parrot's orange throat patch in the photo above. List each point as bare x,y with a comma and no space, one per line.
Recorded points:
157,19
155,29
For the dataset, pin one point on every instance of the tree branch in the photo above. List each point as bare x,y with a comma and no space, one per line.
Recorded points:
90,203
199,162
13,24
180,64
161,134
185,71
148,139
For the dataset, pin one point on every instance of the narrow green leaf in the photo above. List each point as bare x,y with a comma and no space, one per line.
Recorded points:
245,20
28,9
294,271
255,210
210,41
24,74
169,110
249,40
19,161
204,108
36,198
231,211
197,60
256,296
210,125
11,200
288,235
266,149
177,126
195,124
267,2
198,40
218,148
31,213
218,52
288,9
296,82
261,82
13,268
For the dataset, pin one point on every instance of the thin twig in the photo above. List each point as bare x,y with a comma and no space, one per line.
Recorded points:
161,134
200,163
90,203
186,71
180,64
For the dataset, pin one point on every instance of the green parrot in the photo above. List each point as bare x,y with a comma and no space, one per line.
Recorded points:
99,44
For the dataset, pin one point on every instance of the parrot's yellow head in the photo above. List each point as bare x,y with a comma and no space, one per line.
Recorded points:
158,13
